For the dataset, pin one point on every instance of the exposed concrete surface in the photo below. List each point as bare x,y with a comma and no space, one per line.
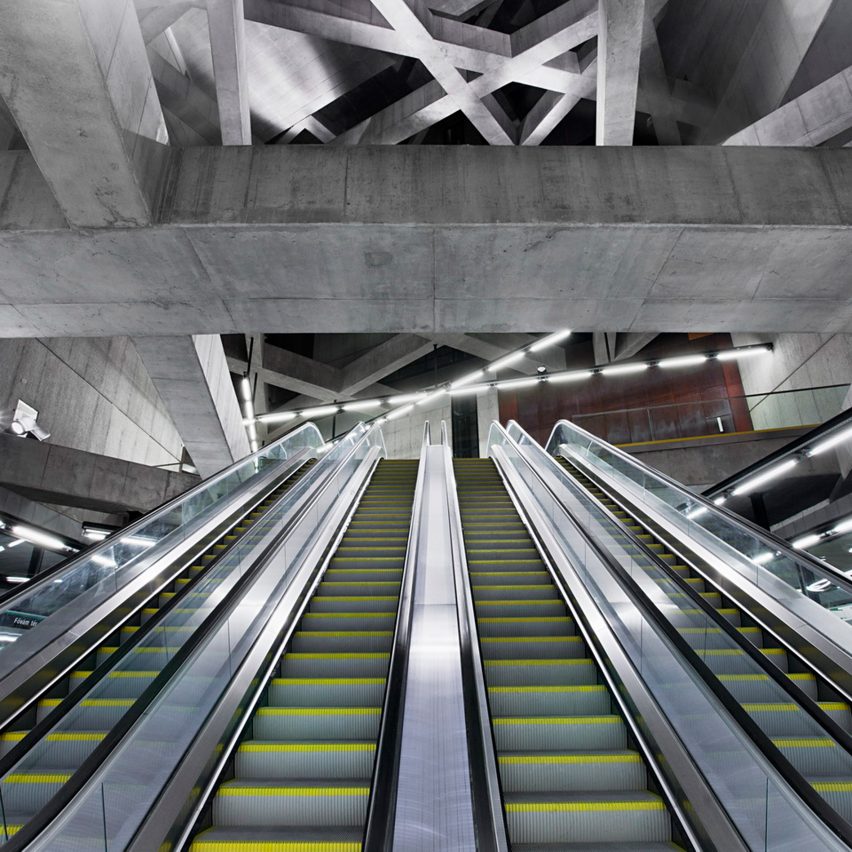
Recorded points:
55,474
703,462
39,515
487,411
192,377
292,239
75,76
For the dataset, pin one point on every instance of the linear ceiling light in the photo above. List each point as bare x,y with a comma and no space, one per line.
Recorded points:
407,397
550,340
763,558
466,380
768,476
624,369
806,541
38,537
399,412
683,361
245,388
321,411
749,352
843,527
431,397
574,376
521,383
278,417
362,405
828,443
472,389
505,362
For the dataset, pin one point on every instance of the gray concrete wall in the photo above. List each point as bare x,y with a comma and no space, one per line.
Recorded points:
799,362
92,394
487,411
404,436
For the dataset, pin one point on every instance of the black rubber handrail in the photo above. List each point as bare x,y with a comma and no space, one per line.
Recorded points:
801,557
789,773
810,437
749,648
381,807
44,727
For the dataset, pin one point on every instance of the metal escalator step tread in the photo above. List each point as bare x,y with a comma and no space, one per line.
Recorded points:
258,746
834,786
762,677
120,674
589,687
526,601
496,640
57,736
91,702
328,681
144,649
557,720
497,561
319,711
318,788
569,661
344,634
515,619
525,803
36,777
290,839
318,615
591,757
339,655
356,598
716,630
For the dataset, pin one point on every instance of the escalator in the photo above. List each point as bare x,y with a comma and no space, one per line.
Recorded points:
821,755
302,774
570,773
43,745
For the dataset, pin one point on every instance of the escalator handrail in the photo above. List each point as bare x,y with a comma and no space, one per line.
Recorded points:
749,648
772,542
381,807
789,773
488,812
42,578
44,727
74,785
844,419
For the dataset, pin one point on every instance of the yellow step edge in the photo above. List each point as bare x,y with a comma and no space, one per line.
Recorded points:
260,748
329,681
571,661
345,634
522,639
37,778
590,687
804,742
594,758
576,807
225,790
319,711
557,720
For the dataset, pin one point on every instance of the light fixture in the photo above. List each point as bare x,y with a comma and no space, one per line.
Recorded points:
15,543
540,369
466,380
278,417
843,527
248,408
38,537
24,422
254,445
763,558
472,389
624,369
505,362
252,430
683,361
399,412
549,340
321,411
407,397
828,443
245,388
362,405
431,397
521,383
806,541
721,500
757,481
820,586
735,354
16,580
575,376
96,533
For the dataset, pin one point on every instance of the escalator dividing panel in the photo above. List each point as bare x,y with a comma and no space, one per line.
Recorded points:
300,779
569,773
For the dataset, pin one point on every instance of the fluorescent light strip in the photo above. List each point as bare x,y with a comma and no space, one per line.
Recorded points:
245,388
684,361
322,411
763,558
843,527
407,397
466,380
734,354
574,376
39,538
15,543
624,369
505,362
806,541
16,580
472,389
103,560
431,397
550,340
768,476
362,405
95,535
828,443
278,417
399,412
520,383
720,501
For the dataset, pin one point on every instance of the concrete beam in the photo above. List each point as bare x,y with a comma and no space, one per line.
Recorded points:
632,344
437,240
620,29
191,375
227,44
54,474
382,360
815,117
76,78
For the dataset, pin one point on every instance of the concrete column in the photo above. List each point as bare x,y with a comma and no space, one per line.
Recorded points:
227,43
619,53
487,410
192,377
75,76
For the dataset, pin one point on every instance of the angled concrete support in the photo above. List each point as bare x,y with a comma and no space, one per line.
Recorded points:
191,375
227,43
76,78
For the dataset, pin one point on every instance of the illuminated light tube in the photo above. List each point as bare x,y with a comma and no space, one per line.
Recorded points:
39,538
245,388
520,383
806,541
138,541
833,441
431,397
774,473
399,412
249,409
252,430
322,411
362,405
820,586
103,560
556,337
505,362
469,390
406,397
15,543
720,501
843,526
684,361
248,420
466,380
96,533
763,558
16,580
575,376
734,354
624,369
697,512
255,446
279,417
